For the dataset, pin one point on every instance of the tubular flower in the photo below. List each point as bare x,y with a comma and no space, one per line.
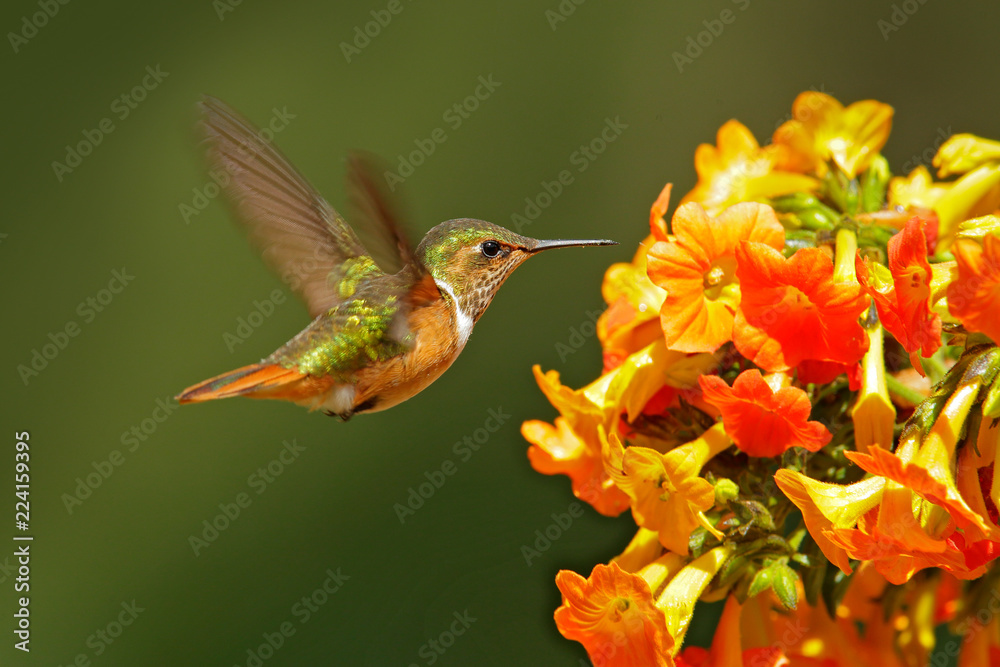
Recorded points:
975,296
612,614
903,297
737,170
665,491
821,129
698,271
967,198
793,309
760,420
873,414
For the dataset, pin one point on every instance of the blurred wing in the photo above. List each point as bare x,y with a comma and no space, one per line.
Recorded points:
301,237
378,214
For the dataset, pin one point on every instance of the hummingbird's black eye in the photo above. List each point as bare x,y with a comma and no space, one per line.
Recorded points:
490,249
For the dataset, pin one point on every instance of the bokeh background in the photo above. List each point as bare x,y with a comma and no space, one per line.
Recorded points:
194,276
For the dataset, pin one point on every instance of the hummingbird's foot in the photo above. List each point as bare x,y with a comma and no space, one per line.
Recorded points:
344,416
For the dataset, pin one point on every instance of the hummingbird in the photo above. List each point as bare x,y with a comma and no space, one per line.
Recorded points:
388,318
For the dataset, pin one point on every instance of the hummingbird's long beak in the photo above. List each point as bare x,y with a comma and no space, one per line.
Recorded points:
567,243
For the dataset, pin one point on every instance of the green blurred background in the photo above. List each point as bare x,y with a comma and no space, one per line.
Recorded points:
332,507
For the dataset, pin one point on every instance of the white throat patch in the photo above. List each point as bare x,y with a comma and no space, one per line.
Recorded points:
464,321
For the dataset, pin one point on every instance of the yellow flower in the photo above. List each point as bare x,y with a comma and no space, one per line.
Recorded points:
666,492
680,595
965,152
974,193
827,506
821,129
739,170
916,190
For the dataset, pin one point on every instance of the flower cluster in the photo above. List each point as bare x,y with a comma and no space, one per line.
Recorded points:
799,405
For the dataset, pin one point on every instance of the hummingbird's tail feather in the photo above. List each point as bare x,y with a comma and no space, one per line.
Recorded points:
253,381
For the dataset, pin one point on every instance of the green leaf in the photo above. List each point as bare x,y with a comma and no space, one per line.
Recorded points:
784,579
761,581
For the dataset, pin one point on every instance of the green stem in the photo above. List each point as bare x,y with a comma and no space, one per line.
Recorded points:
899,389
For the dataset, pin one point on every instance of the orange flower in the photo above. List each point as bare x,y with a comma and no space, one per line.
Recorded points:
898,559
760,420
793,309
558,450
903,297
739,170
666,492
698,269
821,129
975,296
612,614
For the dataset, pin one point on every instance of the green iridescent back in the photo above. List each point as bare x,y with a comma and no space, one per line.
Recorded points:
367,326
